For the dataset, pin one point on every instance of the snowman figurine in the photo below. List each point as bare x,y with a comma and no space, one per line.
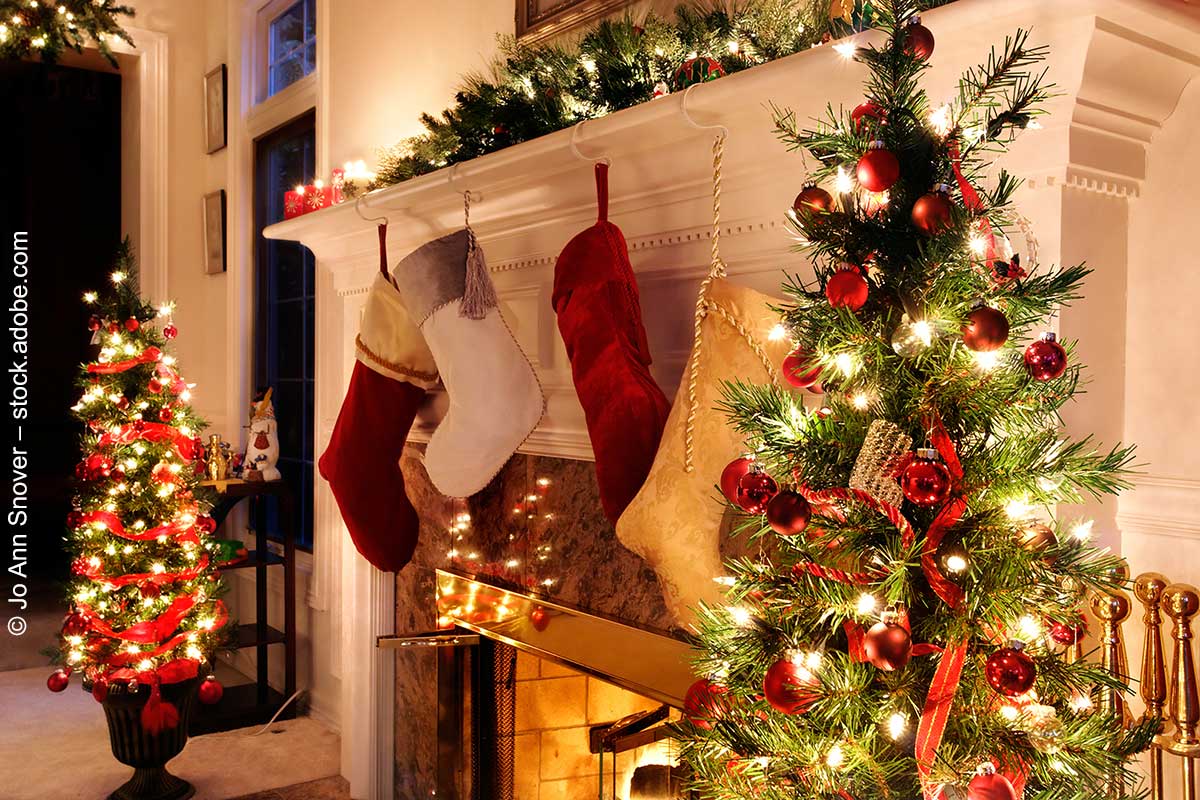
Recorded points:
262,446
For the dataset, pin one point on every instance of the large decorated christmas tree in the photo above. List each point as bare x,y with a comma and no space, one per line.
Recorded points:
911,625
143,590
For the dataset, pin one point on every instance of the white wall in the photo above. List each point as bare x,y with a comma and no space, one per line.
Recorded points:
1162,367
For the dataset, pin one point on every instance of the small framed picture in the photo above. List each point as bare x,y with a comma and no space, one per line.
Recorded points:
215,123
214,232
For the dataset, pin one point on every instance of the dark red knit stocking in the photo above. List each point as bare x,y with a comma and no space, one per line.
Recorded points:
363,469
600,319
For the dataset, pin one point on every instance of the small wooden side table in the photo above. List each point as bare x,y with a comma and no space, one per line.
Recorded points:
255,703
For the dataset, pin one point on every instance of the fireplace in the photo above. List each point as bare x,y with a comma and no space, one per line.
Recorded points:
537,700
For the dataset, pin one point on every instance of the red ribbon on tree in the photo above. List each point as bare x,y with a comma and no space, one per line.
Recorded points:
826,497
950,514
124,659
147,356
185,447
183,531
151,630
158,578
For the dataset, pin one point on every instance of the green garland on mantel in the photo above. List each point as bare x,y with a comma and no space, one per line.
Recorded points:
48,27
533,90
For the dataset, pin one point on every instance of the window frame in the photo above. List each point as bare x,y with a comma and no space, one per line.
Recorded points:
266,15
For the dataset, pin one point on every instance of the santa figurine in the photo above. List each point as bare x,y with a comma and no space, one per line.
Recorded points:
262,445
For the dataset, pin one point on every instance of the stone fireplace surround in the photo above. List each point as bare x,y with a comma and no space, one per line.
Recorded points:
1121,67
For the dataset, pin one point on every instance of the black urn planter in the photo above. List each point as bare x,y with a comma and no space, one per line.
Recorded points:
148,754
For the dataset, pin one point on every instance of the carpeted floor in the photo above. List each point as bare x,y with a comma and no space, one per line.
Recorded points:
56,746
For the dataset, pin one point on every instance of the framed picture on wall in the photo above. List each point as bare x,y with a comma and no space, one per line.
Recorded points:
214,232
215,123
541,19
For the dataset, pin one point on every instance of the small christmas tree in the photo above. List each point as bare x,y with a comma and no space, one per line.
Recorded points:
909,629
143,589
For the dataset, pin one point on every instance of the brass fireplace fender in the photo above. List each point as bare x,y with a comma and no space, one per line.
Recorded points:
651,663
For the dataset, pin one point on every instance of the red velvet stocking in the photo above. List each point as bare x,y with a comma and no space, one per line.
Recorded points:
600,319
363,469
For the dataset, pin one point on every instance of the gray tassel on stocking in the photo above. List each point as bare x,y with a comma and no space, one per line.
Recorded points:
479,295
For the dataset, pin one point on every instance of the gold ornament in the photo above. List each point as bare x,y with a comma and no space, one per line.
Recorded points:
875,468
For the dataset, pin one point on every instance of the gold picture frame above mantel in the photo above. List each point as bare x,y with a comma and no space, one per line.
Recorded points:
538,20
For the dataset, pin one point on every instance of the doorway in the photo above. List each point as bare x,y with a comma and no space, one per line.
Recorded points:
63,186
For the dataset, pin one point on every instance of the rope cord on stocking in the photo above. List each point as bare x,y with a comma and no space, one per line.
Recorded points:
716,270
704,305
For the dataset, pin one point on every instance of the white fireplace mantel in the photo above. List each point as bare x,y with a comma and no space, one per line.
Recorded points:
1120,66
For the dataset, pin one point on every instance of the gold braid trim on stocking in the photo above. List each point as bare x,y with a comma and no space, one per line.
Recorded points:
392,366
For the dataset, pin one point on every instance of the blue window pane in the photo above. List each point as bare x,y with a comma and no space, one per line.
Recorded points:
290,340
287,32
286,72
292,48
289,260
289,417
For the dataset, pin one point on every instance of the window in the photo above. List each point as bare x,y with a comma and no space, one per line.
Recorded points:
285,290
291,45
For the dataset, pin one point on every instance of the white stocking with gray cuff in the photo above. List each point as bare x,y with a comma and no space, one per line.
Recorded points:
495,398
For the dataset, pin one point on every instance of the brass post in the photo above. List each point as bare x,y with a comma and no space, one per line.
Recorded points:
1148,589
1180,601
1112,608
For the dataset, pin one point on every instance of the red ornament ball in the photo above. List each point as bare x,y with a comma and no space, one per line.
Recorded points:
170,331
788,513
732,474
93,323
155,386
58,680
755,490
539,618
98,466
1045,358
113,327
99,690
132,324
166,414
888,646
865,113
926,481
789,687
75,624
149,589
985,330
918,40
933,212
122,403
1067,634
74,519
210,691
847,289
878,169
799,371
704,702
1010,671
990,785
813,198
